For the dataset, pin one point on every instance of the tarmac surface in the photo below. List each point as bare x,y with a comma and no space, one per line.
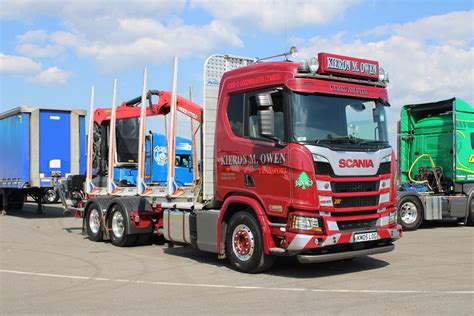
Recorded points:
47,266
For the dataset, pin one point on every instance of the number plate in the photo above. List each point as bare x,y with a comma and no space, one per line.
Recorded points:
366,237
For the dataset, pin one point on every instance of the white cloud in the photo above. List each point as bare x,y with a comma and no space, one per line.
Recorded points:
420,70
32,71
87,9
33,36
120,35
33,50
274,15
17,65
39,44
52,76
452,28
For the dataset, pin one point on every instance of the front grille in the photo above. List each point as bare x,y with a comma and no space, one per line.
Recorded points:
357,213
341,187
356,225
355,201
325,169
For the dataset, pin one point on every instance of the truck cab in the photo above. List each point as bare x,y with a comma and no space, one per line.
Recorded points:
308,143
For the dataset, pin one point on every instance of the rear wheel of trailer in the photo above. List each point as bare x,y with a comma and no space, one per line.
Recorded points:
50,196
119,234
93,222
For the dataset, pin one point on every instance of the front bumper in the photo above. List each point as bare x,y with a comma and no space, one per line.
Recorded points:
299,243
344,255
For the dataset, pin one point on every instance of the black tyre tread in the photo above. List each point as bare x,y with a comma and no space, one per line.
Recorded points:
16,201
260,261
419,206
126,240
56,199
470,219
100,234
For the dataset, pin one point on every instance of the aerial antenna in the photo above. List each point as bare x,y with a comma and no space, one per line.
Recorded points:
286,23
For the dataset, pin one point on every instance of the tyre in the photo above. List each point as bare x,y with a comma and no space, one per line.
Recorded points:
93,223
16,200
410,213
470,219
119,235
51,196
244,244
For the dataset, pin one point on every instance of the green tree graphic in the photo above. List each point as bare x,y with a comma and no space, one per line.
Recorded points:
303,181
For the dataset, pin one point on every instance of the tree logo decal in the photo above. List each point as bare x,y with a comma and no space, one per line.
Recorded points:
303,181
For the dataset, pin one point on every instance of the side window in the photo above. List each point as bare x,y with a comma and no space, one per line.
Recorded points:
472,140
235,114
252,129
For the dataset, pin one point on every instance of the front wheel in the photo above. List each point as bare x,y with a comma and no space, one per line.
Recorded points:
244,244
119,235
410,213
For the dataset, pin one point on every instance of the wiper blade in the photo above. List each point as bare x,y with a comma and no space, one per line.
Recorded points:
375,142
338,140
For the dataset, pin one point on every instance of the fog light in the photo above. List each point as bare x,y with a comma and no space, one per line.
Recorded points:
392,218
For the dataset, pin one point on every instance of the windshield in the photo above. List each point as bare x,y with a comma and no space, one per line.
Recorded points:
329,120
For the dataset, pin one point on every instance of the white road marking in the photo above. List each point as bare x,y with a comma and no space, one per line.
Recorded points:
238,287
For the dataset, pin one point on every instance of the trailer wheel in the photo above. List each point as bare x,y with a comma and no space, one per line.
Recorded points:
119,235
410,213
244,244
51,196
16,200
93,223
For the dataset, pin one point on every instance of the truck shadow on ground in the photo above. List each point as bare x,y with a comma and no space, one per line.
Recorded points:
30,211
441,224
287,266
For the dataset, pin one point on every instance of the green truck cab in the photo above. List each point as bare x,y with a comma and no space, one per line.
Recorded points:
436,162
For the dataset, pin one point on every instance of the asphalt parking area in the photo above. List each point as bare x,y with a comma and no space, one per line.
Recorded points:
47,266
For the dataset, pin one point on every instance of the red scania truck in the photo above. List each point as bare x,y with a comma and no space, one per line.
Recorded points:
294,159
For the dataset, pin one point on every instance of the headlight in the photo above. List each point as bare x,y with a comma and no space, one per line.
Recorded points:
392,218
307,223
320,158
386,159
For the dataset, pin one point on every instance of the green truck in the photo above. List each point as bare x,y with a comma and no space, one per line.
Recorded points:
436,162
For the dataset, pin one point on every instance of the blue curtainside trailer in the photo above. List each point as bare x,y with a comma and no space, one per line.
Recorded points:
38,146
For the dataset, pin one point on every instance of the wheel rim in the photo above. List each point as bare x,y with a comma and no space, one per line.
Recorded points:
408,212
243,242
94,221
117,224
50,195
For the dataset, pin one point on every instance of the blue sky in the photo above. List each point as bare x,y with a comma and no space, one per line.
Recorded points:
52,51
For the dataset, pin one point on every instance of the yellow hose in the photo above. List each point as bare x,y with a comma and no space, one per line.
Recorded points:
413,164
